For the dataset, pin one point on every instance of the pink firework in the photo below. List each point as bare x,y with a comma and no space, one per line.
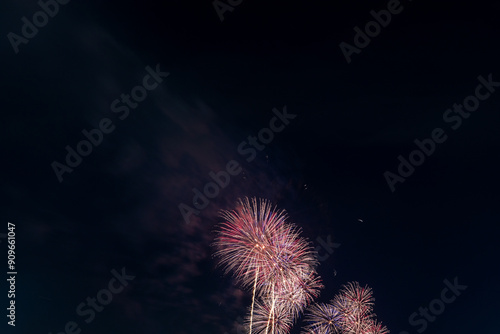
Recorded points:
257,245
355,304
298,291
355,299
271,319
376,327
267,254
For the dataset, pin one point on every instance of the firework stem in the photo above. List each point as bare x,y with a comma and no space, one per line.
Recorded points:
253,299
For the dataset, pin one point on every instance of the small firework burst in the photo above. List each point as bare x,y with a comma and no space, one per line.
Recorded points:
376,327
355,299
271,318
323,319
355,304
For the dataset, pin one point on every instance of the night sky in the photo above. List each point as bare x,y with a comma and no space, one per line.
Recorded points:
352,109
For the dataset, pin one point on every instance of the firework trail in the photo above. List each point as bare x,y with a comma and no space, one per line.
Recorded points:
253,300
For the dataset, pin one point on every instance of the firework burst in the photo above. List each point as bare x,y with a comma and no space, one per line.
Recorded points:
355,303
298,291
255,240
267,255
376,327
323,319
271,319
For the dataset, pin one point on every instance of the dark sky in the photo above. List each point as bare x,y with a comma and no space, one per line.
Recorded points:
119,207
